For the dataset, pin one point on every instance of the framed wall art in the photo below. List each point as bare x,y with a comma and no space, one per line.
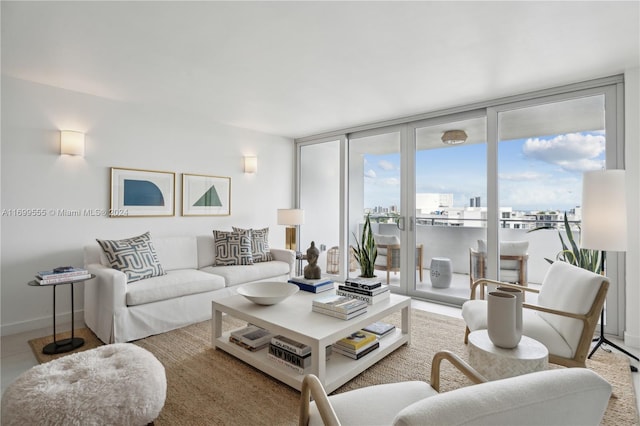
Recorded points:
137,193
206,195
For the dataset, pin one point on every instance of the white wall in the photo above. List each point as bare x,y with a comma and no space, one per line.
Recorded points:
632,156
118,134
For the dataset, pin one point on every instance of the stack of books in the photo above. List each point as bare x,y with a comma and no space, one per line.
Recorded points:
314,286
357,344
339,306
380,329
371,290
62,274
292,354
251,337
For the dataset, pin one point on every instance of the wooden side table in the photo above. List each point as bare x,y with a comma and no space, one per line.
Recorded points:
65,345
498,363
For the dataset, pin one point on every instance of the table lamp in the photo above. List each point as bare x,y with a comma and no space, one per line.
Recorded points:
604,223
291,218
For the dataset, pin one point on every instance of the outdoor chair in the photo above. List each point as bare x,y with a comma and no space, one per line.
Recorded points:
388,259
565,317
513,263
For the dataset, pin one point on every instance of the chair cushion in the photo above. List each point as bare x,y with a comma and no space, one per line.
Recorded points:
373,405
571,289
135,256
386,240
474,313
553,397
507,248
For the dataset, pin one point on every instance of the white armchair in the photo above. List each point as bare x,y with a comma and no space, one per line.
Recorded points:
552,397
388,258
564,319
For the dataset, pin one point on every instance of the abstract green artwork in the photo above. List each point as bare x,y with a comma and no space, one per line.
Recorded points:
204,195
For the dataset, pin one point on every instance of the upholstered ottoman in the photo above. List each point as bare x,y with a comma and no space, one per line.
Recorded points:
118,384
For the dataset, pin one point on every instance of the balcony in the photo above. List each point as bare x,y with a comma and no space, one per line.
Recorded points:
453,242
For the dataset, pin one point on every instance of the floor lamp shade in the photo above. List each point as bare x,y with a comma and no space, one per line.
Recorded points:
291,218
604,211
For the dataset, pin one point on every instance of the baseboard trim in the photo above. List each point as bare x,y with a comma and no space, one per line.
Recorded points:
63,323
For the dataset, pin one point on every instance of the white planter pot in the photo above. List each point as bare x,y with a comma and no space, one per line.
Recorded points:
501,320
519,294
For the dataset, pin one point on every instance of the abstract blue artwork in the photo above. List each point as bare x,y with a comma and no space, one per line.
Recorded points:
142,193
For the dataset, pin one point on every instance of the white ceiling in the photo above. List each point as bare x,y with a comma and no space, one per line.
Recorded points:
302,68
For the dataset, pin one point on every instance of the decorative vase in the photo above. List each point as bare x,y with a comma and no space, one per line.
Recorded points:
519,294
501,320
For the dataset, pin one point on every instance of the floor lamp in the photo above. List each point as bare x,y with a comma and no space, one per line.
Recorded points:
604,224
291,218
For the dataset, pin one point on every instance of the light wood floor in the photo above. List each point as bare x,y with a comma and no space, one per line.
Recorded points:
17,357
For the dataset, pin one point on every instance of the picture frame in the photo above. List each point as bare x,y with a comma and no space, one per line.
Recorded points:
142,193
204,195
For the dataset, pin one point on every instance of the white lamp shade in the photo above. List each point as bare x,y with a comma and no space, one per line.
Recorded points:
71,143
604,210
290,217
250,164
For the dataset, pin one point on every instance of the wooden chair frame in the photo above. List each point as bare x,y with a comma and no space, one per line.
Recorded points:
312,388
391,248
589,320
479,259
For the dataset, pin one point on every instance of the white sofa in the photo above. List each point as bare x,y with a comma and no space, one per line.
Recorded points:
117,311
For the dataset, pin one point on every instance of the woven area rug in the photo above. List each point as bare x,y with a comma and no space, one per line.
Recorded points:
207,386
90,341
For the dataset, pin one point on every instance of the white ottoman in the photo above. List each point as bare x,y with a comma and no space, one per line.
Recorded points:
118,384
440,272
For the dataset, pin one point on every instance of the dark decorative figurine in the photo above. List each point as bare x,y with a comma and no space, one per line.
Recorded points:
312,271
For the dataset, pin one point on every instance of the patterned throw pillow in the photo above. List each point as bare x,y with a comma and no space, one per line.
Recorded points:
259,244
135,256
233,248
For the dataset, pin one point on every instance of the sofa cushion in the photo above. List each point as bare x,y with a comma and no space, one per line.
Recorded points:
233,248
259,244
236,274
177,283
135,256
177,252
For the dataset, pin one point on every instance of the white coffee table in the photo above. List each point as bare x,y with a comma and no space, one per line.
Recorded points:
294,318
498,363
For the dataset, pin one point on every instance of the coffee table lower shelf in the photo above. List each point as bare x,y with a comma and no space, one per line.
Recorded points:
339,368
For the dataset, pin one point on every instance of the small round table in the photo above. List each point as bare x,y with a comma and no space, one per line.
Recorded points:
498,363
64,345
440,272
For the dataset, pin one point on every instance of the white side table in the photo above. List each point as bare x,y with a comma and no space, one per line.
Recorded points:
497,363
440,272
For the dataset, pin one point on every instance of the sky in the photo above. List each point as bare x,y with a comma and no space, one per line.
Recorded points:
542,173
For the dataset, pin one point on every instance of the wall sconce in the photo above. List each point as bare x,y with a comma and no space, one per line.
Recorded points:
71,143
250,164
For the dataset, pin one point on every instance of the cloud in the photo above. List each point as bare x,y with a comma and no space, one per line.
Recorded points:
385,165
370,174
391,181
524,176
574,152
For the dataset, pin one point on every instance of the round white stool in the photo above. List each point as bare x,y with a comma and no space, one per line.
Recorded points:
440,272
118,384
498,363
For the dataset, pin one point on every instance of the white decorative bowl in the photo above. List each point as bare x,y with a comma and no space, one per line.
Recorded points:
268,293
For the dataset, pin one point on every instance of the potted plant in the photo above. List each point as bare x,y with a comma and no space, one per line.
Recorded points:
365,251
571,253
